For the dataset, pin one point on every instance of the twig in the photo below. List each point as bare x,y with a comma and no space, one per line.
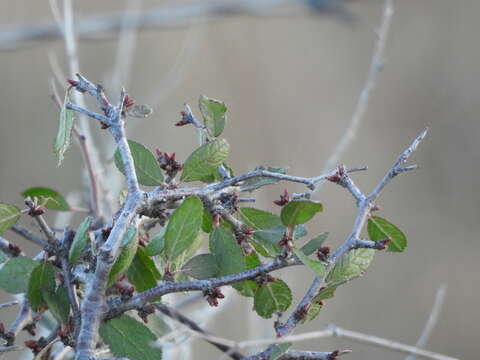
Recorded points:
365,204
90,155
168,16
8,248
68,282
432,319
52,241
24,316
118,307
17,229
376,65
4,349
8,304
172,313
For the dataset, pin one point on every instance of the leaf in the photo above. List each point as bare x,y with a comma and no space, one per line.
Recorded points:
228,255
313,245
257,182
142,272
15,274
351,265
299,212
147,167
249,287
64,133
158,326
9,215
317,304
3,257
279,350
183,227
53,200
205,160
379,229
213,112
207,222
126,255
80,240
269,229
41,278
203,266
157,243
316,266
272,297
58,303
129,338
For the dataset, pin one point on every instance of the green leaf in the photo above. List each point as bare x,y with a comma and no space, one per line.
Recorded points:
317,304
157,243
351,265
9,215
213,112
147,167
64,134
15,274
207,222
203,266
42,277
279,350
126,255
158,326
129,338
271,297
249,287
228,255
269,229
142,272
58,303
80,240
183,227
316,266
313,245
379,229
50,198
258,182
205,160
3,257
299,212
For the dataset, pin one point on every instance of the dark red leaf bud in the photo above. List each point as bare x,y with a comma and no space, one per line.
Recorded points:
284,199
72,82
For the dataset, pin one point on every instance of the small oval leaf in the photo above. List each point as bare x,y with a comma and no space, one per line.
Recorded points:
310,247
351,265
299,212
9,215
214,114
126,337
50,198
228,255
15,274
147,168
130,241
271,297
80,240
157,243
204,161
183,227
316,266
64,133
203,266
41,278
378,229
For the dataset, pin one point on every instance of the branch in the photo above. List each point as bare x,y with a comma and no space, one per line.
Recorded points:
94,301
8,248
17,229
36,213
432,319
172,313
365,204
168,16
117,307
8,304
376,65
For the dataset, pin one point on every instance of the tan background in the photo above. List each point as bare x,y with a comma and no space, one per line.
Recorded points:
291,85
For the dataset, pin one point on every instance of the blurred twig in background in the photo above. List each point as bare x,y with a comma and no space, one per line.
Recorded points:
169,16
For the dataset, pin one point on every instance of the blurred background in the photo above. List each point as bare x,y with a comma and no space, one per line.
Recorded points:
291,77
